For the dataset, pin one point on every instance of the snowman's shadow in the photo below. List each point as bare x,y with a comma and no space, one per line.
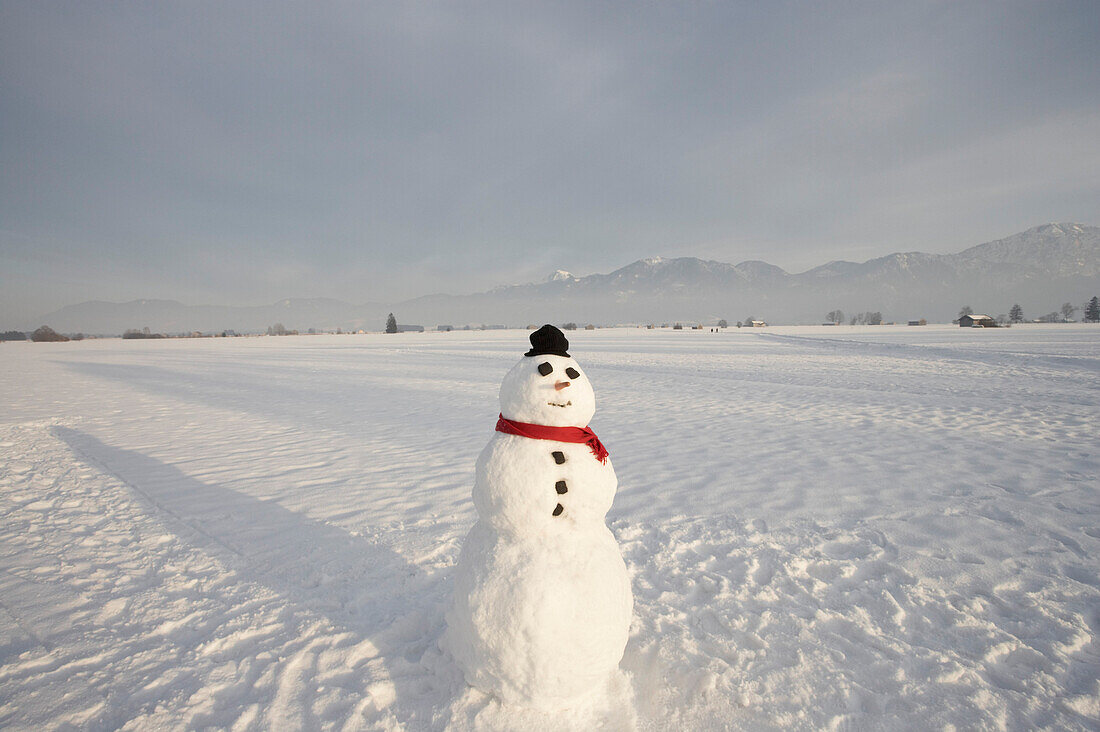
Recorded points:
360,586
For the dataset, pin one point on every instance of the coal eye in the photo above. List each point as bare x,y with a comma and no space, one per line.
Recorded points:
572,373
545,368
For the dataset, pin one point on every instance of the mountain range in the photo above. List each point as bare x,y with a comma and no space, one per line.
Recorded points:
1040,269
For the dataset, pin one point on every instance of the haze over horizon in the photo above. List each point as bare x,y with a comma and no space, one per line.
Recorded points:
239,154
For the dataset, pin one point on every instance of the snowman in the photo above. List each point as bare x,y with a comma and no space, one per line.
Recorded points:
542,602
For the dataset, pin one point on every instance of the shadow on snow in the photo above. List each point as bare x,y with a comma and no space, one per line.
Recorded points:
360,586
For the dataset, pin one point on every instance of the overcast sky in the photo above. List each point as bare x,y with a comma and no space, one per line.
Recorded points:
239,153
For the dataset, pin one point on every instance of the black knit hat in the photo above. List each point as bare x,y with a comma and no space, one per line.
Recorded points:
548,340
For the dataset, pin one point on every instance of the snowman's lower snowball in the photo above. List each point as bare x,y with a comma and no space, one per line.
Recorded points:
540,626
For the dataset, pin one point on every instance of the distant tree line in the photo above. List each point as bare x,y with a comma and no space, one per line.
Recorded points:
867,318
280,330
836,317
46,334
143,333
1090,313
43,334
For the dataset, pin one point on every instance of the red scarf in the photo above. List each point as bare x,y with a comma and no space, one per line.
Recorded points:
559,434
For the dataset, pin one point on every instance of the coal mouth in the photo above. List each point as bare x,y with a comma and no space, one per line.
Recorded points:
567,404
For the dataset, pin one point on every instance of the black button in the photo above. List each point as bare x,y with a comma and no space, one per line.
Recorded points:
560,487
559,456
558,509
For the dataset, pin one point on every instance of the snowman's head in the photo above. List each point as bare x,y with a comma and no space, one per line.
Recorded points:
547,386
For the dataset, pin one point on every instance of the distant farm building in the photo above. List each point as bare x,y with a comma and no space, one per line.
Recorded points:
756,324
922,321
445,328
970,321
410,329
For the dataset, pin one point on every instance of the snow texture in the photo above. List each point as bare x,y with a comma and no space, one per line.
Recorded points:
542,603
825,528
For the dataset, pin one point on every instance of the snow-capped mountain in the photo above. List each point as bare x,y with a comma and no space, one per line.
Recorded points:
1040,269
1058,250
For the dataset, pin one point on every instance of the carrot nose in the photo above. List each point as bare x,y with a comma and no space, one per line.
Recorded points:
561,385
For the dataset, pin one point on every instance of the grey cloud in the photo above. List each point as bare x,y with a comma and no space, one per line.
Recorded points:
202,151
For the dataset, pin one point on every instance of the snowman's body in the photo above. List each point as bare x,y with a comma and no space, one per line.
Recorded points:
542,603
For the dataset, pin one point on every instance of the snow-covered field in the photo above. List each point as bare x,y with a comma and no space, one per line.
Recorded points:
826,528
